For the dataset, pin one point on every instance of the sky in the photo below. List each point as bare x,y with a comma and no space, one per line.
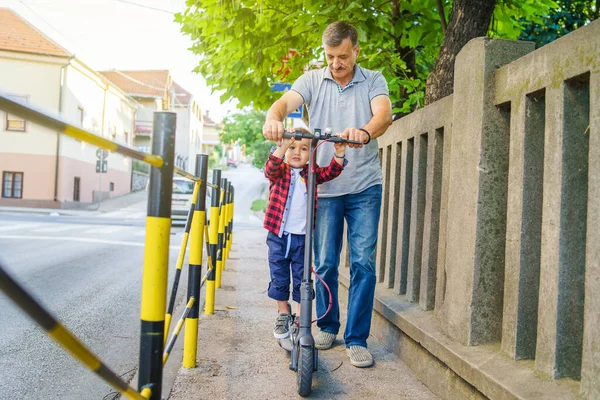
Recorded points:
119,34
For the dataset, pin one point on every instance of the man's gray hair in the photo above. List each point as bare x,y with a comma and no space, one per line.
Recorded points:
335,34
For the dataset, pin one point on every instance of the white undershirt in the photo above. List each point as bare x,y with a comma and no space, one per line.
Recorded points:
296,220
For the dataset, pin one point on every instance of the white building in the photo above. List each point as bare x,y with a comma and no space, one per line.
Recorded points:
39,167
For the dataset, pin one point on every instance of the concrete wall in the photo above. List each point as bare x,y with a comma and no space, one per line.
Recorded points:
489,253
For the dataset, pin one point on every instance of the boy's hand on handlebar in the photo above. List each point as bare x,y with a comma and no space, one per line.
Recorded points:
340,149
356,135
273,130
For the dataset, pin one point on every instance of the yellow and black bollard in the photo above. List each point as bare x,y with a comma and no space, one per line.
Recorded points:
221,233
156,255
190,341
171,343
184,241
229,220
209,307
232,200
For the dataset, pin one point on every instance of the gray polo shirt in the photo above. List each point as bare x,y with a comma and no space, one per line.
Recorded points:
330,106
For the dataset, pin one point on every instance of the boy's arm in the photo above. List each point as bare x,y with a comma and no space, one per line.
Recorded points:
333,170
274,167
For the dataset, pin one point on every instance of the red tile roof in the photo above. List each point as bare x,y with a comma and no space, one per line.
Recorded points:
182,96
150,83
16,34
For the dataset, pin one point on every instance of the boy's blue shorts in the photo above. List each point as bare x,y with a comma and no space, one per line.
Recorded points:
286,253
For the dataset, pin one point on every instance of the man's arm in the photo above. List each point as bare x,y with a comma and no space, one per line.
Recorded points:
273,127
381,120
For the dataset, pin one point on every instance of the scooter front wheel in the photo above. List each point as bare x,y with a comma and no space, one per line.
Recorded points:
305,370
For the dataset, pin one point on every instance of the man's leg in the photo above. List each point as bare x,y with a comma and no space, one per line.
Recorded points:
327,248
362,215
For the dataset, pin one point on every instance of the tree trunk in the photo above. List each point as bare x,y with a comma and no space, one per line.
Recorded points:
468,19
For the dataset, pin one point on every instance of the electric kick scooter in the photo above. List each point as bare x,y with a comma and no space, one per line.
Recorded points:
304,354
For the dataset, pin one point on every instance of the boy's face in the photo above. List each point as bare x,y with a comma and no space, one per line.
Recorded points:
297,154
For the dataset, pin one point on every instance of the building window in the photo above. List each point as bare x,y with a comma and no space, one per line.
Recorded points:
12,184
76,188
112,186
126,134
80,116
14,123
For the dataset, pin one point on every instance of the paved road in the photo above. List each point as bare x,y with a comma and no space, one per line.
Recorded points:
86,269
88,273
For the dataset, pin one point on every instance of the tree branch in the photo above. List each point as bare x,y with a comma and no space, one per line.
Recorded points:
440,7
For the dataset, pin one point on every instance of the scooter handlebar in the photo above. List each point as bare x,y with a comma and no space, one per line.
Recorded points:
299,135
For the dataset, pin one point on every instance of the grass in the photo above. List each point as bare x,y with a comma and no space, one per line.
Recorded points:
259,205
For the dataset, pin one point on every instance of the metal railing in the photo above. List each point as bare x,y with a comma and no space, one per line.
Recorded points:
155,318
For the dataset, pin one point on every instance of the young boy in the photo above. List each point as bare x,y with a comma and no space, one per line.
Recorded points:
285,219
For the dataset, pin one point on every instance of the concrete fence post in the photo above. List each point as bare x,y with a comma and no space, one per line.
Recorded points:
478,178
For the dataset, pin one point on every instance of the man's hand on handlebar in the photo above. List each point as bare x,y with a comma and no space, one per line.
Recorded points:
273,130
356,135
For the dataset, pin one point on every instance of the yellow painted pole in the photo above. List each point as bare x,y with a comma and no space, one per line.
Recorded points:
177,329
156,256
221,233
209,306
190,341
184,241
229,220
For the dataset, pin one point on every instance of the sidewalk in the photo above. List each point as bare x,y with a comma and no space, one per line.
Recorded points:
107,205
238,358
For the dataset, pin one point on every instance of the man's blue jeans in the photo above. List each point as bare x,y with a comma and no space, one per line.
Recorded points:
361,211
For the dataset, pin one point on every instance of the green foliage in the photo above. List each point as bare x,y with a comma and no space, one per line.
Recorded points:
567,17
241,43
260,152
140,166
259,205
245,127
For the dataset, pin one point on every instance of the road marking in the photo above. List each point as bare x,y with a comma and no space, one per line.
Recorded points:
106,229
80,239
19,226
59,228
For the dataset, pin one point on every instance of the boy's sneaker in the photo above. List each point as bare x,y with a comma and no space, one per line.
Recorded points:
324,340
359,356
281,330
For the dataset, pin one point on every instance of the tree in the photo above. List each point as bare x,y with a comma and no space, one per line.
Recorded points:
241,43
468,19
246,127
567,17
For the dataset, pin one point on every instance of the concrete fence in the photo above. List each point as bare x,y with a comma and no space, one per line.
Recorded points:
489,241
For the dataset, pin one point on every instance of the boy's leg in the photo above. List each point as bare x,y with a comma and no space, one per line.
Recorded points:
327,247
279,287
279,267
297,265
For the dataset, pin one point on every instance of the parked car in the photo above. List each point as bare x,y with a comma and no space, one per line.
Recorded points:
181,198
183,189
232,163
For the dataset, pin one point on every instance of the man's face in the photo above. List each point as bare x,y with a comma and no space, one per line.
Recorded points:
297,154
341,59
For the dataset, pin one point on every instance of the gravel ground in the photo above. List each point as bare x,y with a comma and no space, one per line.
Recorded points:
238,358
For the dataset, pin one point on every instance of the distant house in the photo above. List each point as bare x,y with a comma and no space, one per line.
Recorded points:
39,167
188,138
155,91
210,138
